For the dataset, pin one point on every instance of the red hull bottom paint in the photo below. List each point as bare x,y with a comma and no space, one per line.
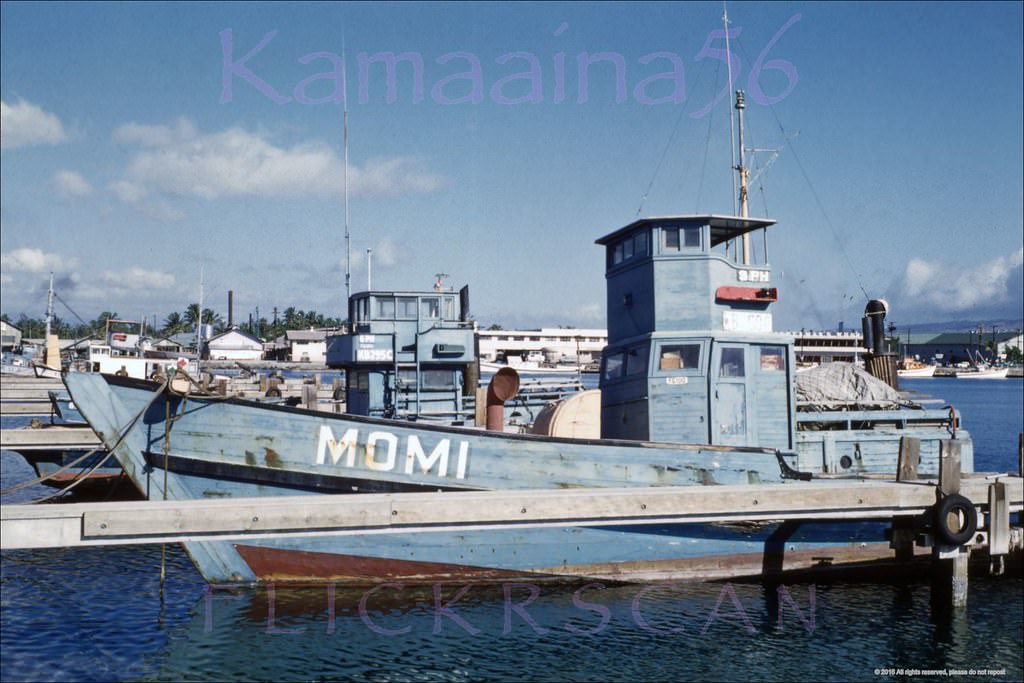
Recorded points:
274,564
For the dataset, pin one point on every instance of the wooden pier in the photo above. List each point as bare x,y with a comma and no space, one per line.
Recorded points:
28,396
49,438
122,523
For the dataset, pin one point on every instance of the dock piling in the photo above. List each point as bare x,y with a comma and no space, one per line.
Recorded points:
910,456
949,467
949,562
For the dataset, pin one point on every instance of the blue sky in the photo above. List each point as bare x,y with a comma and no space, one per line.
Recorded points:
140,147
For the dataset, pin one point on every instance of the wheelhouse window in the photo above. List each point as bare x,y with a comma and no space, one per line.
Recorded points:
633,246
385,309
636,361
407,308
773,359
677,239
679,357
614,365
430,308
625,363
731,364
429,379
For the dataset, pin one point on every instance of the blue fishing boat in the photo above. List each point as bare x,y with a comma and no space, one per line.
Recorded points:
696,390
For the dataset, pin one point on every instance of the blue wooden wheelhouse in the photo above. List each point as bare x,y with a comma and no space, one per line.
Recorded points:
406,354
691,356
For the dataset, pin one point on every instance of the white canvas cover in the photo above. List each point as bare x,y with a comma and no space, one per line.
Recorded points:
843,385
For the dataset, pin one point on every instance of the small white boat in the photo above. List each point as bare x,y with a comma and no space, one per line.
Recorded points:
983,373
915,369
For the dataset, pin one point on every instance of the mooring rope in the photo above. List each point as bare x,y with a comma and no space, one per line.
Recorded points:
122,432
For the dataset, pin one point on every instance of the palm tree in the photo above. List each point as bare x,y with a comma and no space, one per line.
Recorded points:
211,318
99,325
192,315
174,324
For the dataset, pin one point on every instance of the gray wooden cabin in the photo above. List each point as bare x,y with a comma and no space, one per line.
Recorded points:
691,355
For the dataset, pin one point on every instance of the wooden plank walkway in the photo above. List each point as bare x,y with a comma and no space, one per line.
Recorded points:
49,438
123,523
26,409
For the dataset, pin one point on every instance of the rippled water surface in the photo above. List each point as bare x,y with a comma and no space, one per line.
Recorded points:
99,614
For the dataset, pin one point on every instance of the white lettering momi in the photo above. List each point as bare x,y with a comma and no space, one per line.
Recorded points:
381,452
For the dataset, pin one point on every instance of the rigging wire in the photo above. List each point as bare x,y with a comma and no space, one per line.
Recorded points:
657,169
707,142
57,297
821,206
668,145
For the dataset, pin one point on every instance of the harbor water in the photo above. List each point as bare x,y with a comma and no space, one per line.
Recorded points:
99,614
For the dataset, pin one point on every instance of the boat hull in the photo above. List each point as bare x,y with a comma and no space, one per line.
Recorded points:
999,373
917,373
219,448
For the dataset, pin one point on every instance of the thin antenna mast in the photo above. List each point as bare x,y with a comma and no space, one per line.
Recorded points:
744,177
49,310
728,65
344,116
199,320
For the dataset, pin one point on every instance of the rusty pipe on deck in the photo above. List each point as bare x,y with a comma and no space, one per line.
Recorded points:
502,387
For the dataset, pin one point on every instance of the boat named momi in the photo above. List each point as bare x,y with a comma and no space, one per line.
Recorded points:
696,390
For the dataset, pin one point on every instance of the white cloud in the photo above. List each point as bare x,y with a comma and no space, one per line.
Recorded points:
71,184
30,260
127,192
179,160
163,211
155,136
134,193
387,253
956,288
23,124
392,176
136,278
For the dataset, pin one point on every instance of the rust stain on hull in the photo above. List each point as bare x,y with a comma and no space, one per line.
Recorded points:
275,564
272,458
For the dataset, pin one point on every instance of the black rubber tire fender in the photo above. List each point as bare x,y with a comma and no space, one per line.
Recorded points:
955,507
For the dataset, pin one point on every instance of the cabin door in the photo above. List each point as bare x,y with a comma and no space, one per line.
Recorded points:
730,424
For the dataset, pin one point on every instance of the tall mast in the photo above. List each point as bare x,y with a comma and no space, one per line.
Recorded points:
49,310
744,175
199,320
728,66
344,117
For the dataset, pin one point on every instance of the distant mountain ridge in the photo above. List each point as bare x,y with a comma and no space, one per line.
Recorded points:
1002,325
